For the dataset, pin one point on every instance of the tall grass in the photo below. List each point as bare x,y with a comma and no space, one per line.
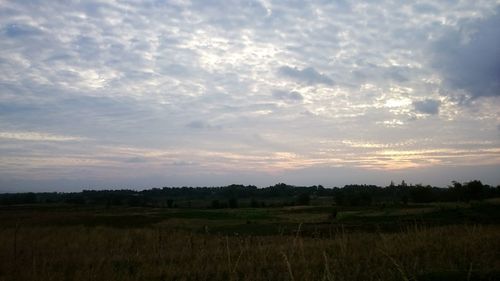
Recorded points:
100,253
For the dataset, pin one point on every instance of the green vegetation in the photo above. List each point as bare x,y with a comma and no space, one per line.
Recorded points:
251,238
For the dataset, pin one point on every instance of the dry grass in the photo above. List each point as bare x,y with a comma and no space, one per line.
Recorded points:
100,253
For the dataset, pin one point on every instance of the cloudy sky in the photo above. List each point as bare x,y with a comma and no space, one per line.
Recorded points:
139,94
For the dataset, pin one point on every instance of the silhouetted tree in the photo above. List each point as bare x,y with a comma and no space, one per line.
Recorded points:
421,194
233,203
254,203
404,199
287,194
303,199
170,203
333,214
474,190
215,204
339,198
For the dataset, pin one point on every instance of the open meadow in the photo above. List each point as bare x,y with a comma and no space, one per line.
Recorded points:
438,241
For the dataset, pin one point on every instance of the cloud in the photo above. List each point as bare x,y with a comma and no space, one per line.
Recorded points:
37,136
19,30
182,163
425,8
307,75
398,73
428,106
288,96
143,80
136,160
468,58
201,125
197,124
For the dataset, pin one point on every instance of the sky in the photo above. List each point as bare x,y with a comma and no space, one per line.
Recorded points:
141,94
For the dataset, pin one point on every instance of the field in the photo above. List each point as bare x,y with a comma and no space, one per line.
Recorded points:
452,241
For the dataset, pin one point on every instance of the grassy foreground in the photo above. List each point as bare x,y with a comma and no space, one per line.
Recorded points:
178,248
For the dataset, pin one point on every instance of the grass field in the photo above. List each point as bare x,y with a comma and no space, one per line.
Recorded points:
414,242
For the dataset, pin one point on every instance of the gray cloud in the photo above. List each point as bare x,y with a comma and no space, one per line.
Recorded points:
399,74
197,124
19,30
425,8
288,96
428,106
307,75
201,125
183,163
136,160
469,58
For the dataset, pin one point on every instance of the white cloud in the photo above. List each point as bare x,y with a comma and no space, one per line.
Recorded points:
37,136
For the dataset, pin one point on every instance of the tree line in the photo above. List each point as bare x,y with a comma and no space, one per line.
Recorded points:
281,194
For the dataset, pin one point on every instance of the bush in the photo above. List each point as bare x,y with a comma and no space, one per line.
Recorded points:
303,199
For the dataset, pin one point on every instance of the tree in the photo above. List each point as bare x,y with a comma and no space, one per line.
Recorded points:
333,215
421,194
233,203
474,190
458,191
303,199
215,204
339,197
170,203
254,203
